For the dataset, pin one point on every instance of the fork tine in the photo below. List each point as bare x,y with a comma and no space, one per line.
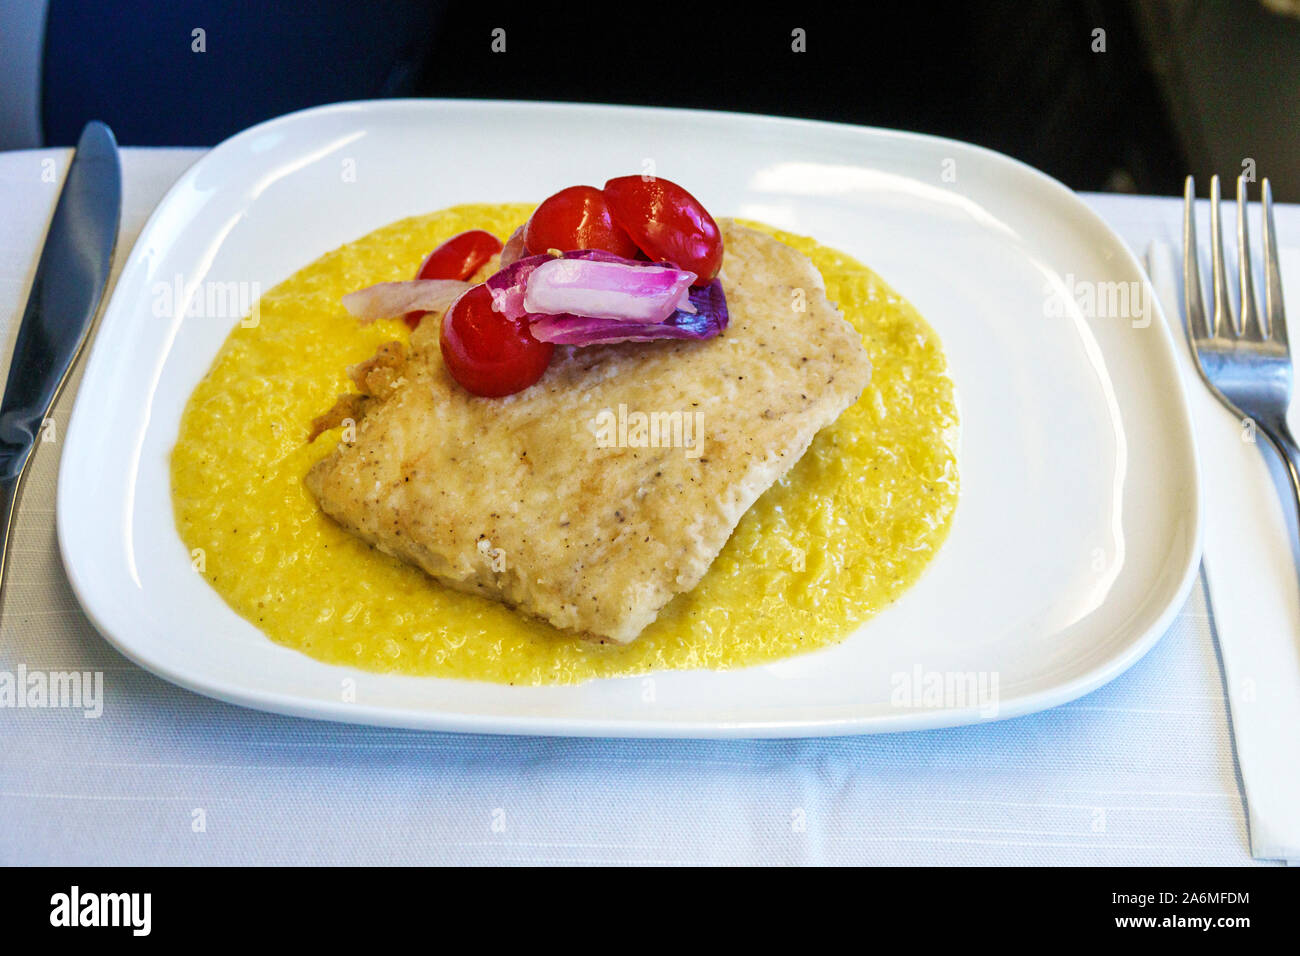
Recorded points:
1225,325
1251,330
1272,274
1193,295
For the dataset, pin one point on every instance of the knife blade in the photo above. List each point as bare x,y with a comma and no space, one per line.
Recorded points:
70,281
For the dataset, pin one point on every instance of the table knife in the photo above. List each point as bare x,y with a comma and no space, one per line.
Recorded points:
70,280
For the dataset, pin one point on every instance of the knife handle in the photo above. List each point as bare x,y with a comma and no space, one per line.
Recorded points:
8,498
17,441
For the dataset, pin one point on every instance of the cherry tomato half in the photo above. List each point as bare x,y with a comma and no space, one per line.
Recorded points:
667,223
487,353
458,258
576,218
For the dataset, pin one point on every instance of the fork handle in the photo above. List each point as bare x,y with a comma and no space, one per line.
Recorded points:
1280,437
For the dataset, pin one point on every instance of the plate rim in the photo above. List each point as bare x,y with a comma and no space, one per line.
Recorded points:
551,725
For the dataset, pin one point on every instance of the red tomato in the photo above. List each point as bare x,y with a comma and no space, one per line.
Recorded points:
487,353
458,258
576,218
667,223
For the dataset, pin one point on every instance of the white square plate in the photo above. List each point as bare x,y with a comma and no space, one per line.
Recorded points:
1075,541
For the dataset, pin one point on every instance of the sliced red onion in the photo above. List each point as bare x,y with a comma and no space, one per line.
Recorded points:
513,250
708,319
391,299
606,290
509,285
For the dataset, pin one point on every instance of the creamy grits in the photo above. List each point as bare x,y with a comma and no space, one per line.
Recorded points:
840,537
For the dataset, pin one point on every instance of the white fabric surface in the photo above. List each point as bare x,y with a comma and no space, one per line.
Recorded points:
1139,772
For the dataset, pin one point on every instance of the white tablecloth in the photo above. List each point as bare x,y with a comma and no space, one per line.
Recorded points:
1139,772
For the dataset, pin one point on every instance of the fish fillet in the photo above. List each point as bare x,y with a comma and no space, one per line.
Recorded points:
592,498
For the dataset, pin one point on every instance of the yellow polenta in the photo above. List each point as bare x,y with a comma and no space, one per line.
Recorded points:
849,528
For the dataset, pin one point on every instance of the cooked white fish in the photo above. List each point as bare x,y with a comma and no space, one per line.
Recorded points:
596,495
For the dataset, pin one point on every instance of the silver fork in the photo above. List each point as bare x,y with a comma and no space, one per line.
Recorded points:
1243,359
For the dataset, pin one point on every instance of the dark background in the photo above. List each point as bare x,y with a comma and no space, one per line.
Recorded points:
1183,85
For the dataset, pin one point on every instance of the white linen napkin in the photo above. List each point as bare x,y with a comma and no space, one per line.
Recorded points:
1251,569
